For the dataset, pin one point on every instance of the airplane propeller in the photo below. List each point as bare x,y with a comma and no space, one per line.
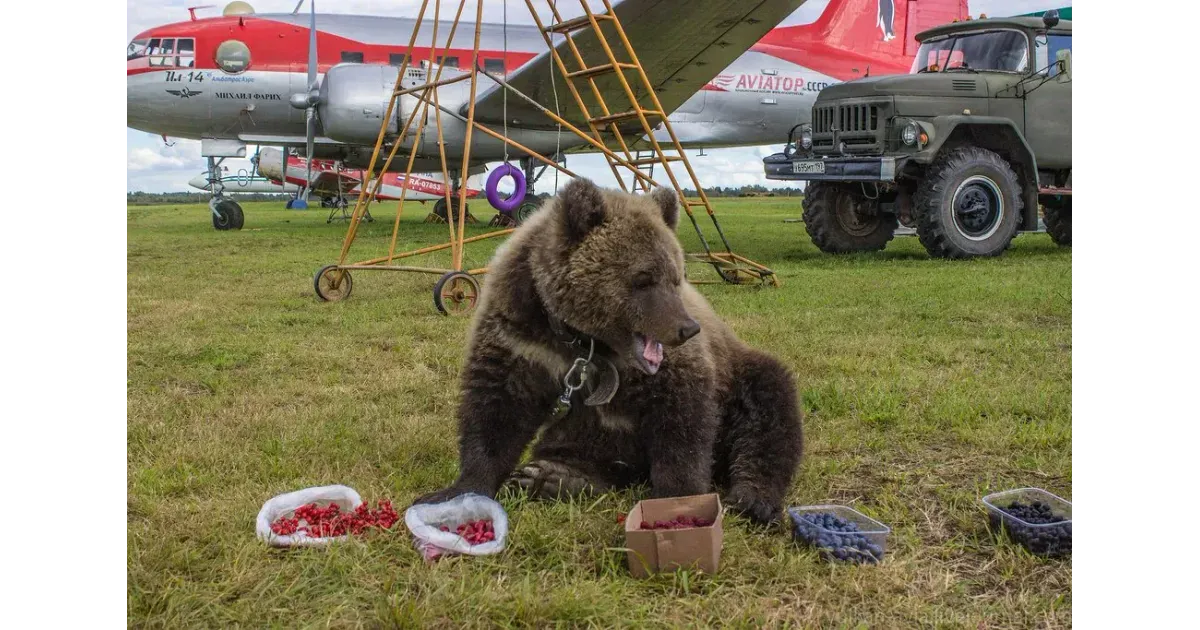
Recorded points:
308,101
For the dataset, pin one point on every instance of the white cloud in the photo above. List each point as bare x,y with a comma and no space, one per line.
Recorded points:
143,159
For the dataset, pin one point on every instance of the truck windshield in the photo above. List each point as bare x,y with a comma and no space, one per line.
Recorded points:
1004,51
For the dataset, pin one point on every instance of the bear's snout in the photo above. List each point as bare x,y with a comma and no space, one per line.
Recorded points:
689,329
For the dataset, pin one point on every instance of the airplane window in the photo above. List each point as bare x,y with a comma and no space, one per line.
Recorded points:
495,66
233,56
166,54
397,59
351,57
185,48
137,49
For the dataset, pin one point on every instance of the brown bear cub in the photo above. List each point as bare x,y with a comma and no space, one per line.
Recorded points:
600,274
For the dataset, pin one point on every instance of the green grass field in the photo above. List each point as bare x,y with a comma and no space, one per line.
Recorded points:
926,385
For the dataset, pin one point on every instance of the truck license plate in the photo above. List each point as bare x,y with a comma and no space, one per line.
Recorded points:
808,167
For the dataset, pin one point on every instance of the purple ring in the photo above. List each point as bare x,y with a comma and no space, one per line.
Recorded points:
493,191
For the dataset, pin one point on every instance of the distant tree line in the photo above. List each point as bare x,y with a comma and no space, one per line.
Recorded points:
157,199
756,190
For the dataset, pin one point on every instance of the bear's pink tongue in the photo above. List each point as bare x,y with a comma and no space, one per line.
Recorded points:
652,352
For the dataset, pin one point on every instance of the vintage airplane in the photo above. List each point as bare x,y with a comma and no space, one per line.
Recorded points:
334,184
244,182
726,75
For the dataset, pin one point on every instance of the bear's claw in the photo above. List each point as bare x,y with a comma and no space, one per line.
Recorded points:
543,479
758,510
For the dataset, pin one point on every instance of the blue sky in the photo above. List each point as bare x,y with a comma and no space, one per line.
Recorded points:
153,166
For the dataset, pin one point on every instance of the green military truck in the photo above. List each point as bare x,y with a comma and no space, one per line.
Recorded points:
964,148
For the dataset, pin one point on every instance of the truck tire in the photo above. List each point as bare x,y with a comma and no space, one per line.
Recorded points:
969,204
840,219
1057,215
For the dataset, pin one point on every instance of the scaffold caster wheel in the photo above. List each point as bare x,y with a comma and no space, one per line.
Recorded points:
455,293
333,285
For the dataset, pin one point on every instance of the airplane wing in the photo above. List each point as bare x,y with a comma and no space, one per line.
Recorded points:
327,182
282,141
681,46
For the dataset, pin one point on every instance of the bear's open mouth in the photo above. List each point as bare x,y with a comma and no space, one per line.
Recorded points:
649,353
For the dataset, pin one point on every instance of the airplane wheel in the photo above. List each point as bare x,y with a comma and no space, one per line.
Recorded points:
455,293
228,215
439,209
524,211
331,288
288,205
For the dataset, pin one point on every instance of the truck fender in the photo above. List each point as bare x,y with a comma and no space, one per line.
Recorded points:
1019,151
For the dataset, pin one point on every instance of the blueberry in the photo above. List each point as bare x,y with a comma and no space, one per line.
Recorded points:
1046,539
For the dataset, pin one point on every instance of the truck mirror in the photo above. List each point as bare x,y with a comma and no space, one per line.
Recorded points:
1063,60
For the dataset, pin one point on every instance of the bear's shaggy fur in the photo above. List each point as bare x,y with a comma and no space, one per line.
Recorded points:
706,409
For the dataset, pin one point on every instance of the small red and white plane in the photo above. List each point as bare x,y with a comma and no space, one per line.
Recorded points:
332,182
723,69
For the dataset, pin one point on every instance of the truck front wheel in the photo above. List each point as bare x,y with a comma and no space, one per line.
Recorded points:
968,205
840,219
1057,214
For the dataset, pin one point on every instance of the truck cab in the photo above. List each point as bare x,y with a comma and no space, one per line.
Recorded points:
964,147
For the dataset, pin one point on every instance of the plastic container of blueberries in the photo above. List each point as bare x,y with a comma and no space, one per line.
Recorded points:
873,530
1019,530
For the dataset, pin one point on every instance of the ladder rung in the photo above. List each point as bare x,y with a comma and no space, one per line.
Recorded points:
696,203
611,118
597,70
574,24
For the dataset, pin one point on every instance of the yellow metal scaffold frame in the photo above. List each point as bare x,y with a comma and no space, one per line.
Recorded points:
457,291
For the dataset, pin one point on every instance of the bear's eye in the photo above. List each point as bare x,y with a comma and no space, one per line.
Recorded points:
642,280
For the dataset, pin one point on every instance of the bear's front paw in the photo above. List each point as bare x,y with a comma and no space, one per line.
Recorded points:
758,510
544,479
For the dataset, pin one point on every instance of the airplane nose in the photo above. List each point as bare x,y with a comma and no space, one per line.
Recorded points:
199,181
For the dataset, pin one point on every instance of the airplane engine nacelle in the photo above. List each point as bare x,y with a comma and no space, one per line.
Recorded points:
354,98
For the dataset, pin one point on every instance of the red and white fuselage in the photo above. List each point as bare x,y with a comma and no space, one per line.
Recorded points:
176,87
329,179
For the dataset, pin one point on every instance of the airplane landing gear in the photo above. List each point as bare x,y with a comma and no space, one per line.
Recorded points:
341,205
440,214
226,213
533,201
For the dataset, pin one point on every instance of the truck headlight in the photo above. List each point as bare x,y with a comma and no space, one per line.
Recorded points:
806,138
910,133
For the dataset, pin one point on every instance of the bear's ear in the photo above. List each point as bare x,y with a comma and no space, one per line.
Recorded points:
668,202
582,207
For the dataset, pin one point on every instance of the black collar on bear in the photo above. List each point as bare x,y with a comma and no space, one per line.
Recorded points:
590,368
567,335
